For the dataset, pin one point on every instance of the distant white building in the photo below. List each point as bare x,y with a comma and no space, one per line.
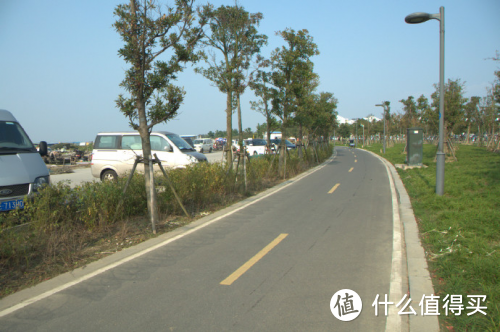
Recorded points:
342,120
372,118
275,134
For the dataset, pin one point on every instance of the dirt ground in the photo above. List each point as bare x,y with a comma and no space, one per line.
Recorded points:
58,169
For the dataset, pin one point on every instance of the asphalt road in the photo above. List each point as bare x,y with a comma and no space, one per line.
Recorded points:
327,231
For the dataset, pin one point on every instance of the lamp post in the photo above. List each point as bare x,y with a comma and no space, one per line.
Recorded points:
357,132
416,18
362,125
384,104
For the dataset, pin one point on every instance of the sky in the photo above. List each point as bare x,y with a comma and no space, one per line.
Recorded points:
60,70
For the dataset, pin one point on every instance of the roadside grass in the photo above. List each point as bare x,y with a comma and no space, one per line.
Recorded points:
65,228
460,231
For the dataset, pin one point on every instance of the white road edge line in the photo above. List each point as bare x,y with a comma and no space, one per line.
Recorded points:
53,291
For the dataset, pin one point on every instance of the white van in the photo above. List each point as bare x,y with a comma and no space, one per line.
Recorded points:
203,145
114,153
22,170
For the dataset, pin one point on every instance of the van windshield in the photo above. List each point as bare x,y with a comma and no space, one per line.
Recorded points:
13,139
179,142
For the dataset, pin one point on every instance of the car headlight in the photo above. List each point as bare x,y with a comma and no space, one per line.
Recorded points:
40,182
192,159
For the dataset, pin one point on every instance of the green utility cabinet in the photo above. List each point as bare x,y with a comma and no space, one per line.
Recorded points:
414,146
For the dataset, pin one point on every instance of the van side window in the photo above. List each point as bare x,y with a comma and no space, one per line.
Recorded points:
106,142
131,142
159,144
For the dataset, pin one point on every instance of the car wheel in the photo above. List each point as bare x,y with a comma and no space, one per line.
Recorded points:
210,150
109,175
255,153
201,150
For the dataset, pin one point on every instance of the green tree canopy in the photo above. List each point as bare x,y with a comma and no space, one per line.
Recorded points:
148,31
233,34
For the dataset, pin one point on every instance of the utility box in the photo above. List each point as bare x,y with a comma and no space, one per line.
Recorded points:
414,146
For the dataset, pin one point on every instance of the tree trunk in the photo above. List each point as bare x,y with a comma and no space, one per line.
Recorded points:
268,125
468,133
229,124
282,149
299,141
240,125
242,148
148,169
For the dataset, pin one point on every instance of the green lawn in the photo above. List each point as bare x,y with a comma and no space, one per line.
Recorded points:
460,230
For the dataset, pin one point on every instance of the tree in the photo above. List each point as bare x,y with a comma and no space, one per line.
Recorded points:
324,114
454,103
248,133
220,133
306,102
260,83
344,130
426,117
489,114
410,116
148,32
472,112
291,64
233,33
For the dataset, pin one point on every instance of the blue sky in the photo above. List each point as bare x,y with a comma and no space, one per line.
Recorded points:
60,71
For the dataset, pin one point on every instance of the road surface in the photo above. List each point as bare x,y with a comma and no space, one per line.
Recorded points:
271,263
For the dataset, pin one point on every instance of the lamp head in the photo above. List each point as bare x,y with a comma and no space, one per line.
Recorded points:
416,18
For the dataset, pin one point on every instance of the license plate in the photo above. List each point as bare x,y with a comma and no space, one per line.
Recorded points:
11,205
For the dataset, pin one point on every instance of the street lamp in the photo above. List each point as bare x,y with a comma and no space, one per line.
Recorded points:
357,132
384,104
416,18
362,125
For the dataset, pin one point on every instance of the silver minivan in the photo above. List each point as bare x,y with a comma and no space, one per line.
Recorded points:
203,145
22,170
115,153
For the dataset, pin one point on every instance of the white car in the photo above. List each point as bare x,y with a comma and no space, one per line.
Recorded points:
115,153
255,146
203,145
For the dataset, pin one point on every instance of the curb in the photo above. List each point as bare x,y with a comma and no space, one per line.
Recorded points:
419,280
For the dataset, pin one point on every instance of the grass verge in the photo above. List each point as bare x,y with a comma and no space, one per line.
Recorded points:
460,231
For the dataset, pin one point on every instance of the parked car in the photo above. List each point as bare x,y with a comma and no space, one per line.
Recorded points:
115,153
255,146
189,141
203,145
275,144
22,170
